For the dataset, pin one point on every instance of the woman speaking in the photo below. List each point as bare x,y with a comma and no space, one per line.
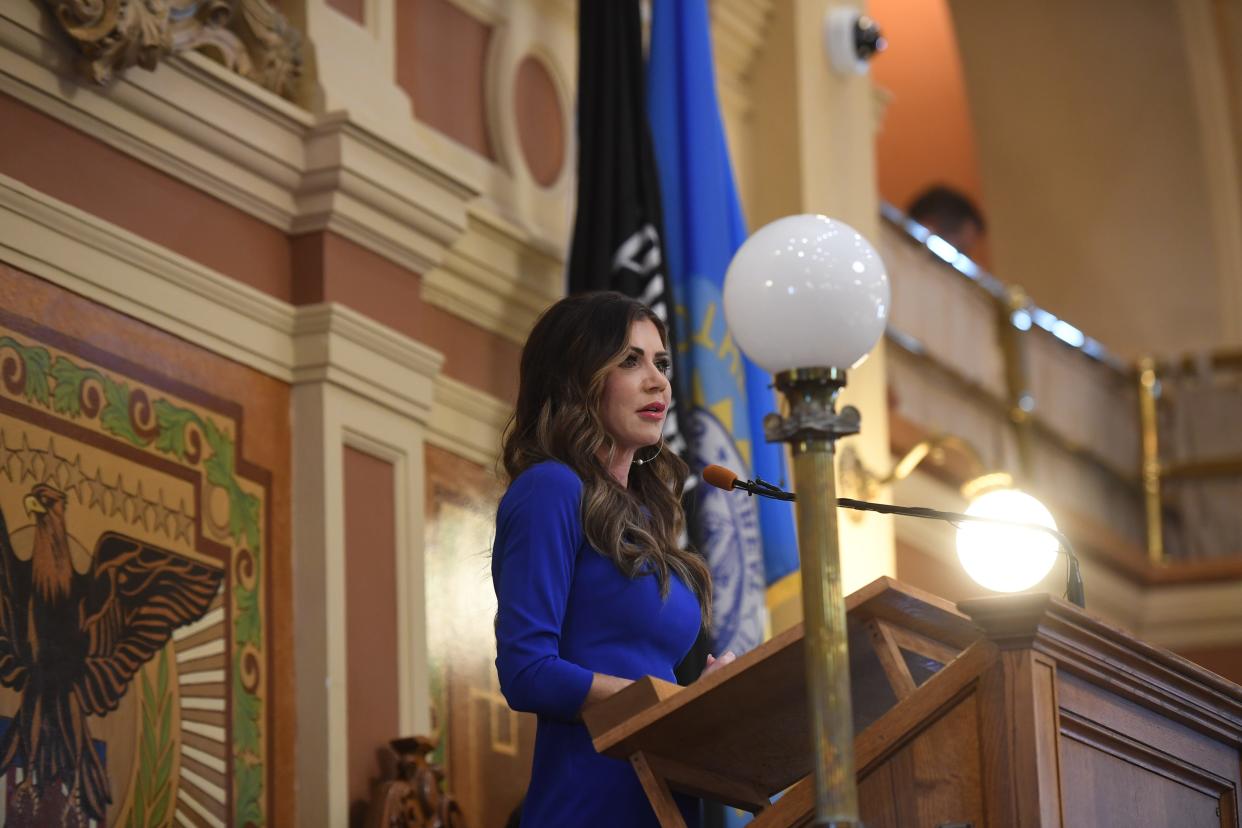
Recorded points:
592,587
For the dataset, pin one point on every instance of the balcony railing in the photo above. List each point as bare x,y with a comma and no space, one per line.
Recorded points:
1194,455
1152,451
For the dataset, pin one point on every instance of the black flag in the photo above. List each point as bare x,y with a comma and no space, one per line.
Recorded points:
617,231
618,227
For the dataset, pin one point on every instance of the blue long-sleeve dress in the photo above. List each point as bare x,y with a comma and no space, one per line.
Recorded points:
566,612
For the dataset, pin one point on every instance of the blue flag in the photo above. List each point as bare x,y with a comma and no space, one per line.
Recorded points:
748,542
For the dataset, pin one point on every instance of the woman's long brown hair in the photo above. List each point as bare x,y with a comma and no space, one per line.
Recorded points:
567,357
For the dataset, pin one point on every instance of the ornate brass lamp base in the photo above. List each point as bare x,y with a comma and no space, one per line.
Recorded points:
811,428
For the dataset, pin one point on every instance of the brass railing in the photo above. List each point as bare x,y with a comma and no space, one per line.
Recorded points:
1151,460
1162,470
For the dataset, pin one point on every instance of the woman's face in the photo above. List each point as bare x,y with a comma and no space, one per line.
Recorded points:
637,390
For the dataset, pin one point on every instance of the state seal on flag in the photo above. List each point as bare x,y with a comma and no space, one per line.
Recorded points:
730,538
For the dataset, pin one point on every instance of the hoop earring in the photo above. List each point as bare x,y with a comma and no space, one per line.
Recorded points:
659,449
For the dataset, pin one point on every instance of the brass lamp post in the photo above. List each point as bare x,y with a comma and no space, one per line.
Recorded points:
806,297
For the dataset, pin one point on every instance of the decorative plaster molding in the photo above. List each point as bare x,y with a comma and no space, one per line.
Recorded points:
129,274
393,186
522,34
240,144
467,422
491,277
334,344
738,29
359,185
250,37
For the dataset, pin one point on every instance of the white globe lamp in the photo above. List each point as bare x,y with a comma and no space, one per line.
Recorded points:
806,291
1007,558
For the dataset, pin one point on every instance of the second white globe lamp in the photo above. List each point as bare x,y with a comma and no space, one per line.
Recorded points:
1007,558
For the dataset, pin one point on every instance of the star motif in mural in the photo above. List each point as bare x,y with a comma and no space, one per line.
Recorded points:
161,514
134,508
120,499
74,477
96,489
26,457
5,454
182,523
140,508
51,464
46,466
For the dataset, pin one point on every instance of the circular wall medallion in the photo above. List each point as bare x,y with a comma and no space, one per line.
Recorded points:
540,121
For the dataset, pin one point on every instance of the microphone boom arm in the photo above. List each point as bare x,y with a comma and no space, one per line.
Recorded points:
1075,590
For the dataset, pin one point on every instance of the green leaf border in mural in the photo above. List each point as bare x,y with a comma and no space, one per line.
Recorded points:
60,386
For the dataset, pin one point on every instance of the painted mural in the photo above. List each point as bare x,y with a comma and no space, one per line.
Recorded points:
486,747
133,666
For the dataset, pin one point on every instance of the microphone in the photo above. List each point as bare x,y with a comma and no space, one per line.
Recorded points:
723,478
1075,591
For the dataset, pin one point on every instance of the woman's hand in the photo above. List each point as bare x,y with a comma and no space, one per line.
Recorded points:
603,686
714,664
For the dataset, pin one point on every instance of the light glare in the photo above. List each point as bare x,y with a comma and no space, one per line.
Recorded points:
942,248
1068,334
1006,558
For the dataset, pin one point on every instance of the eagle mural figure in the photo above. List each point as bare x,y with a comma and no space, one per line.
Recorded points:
71,639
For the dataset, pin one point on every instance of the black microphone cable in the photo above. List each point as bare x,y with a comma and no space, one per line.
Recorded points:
1075,591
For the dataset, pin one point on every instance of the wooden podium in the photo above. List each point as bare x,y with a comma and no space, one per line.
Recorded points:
1010,711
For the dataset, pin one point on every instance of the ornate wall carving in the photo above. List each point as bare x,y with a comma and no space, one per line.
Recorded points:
248,36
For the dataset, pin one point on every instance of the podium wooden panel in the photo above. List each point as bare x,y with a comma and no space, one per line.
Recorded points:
1008,711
